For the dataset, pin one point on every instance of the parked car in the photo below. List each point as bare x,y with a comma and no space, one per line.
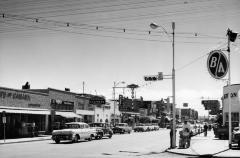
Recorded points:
236,136
122,128
74,131
155,126
140,128
103,130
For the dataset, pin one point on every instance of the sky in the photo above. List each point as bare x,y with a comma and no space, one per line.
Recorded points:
61,44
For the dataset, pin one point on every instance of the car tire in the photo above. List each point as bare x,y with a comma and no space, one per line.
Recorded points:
100,136
75,139
110,135
90,138
57,140
239,143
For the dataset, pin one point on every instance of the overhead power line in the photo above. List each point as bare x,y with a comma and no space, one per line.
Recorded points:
43,23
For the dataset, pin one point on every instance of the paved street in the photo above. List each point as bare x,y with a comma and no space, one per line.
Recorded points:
147,144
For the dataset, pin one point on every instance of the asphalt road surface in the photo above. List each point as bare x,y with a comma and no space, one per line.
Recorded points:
146,144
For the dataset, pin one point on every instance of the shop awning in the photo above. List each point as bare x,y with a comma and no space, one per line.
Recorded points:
68,114
26,111
85,112
130,113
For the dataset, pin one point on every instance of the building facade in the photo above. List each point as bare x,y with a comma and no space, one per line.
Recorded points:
24,109
42,110
233,91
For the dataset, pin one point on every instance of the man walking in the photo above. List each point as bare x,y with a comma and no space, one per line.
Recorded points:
205,129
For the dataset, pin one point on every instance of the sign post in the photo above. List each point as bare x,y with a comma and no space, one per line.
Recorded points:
4,120
218,66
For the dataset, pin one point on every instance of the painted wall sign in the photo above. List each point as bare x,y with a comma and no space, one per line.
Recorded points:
19,96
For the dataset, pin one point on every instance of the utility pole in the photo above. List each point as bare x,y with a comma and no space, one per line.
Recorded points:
83,86
229,96
114,103
173,89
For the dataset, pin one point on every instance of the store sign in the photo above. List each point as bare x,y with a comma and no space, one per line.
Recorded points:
19,96
234,94
97,100
217,64
4,120
4,117
185,104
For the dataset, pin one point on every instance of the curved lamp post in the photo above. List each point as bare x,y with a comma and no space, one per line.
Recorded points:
155,26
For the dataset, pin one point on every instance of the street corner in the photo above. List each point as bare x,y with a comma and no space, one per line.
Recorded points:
230,153
183,151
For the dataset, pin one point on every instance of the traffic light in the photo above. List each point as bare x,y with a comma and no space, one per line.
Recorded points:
150,78
232,35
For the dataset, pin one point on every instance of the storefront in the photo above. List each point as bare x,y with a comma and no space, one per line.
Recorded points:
62,107
25,112
233,91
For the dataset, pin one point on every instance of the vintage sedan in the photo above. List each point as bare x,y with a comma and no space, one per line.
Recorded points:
103,130
140,128
74,131
122,128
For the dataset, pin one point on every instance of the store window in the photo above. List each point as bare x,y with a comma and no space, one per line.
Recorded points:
235,116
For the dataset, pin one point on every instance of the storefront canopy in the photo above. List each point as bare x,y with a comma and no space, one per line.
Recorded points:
68,114
26,111
131,113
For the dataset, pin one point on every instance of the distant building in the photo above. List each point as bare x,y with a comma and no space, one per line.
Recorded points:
189,114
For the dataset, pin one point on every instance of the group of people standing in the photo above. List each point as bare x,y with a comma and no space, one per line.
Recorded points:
186,134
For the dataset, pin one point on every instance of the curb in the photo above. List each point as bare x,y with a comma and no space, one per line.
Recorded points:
172,152
25,141
204,155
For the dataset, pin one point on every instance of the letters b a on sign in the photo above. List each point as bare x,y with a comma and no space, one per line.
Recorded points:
217,64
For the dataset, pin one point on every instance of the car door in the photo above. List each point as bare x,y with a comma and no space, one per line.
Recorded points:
87,130
82,132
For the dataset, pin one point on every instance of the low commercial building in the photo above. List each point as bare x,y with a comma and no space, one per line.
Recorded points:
41,110
233,91
24,109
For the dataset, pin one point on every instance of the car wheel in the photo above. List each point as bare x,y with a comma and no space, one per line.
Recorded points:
90,138
75,139
100,136
57,140
110,135
239,143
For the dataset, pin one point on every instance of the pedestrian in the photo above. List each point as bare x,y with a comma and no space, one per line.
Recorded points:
205,129
187,130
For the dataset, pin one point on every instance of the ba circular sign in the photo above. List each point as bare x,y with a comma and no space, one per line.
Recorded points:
217,64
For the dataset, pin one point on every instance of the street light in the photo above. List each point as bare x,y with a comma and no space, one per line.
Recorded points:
114,103
155,26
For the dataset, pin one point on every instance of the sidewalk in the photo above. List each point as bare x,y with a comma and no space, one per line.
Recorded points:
203,146
22,140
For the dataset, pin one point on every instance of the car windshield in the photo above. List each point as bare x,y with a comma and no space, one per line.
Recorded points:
75,126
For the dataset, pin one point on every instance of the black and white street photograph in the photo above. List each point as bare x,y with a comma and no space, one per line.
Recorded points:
119,78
